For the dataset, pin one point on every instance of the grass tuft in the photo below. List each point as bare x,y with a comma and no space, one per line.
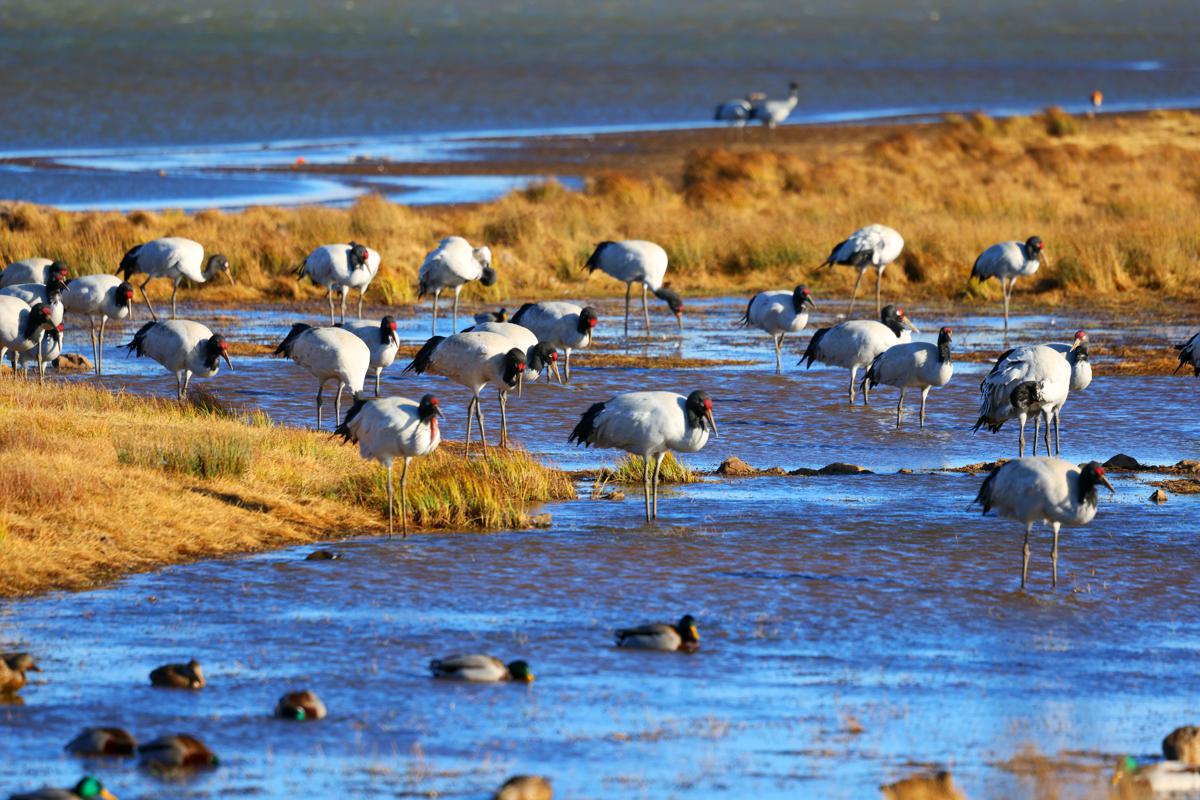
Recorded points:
205,456
630,469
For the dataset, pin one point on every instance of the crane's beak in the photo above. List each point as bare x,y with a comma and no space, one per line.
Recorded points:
1045,259
679,319
229,275
1075,344
228,363
1104,480
712,423
589,338
557,372
810,302
520,382
908,324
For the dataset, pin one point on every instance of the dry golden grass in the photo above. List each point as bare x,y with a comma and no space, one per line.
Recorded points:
1115,199
98,484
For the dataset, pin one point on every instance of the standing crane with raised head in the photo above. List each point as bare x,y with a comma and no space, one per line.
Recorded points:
1008,261
340,268
380,337
913,365
779,313
772,113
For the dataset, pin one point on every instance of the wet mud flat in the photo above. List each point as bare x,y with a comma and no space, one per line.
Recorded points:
854,628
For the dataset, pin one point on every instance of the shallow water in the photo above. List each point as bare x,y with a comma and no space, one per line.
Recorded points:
879,598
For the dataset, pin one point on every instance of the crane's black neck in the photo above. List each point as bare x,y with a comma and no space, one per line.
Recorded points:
943,347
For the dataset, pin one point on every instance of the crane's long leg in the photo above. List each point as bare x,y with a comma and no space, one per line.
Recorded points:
900,408
503,419
878,288
100,346
1037,427
437,293
924,396
657,468
187,382
390,495
320,391
345,292
1054,557
41,377
337,405
1047,439
1006,288
174,292
1021,439
646,308
329,296
146,297
646,483
454,325
628,290
404,498
482,433
854,294
567,367
378,372
1025,563
95,356
779,354
1057,442
470,420
361,294
853,375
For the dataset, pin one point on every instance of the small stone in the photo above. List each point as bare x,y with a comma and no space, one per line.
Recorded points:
734,467
1122,461
773,471
322,555
839,468
541,521
1159,497
1188,465
904,471
806,471
72,362
616,497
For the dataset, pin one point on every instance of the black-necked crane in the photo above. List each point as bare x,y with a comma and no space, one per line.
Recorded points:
650,425
183,347
737,111
779,313
873,246
539,356
1043,489
1189,355
682,636
1027,380
451,265
636,261
475,361
99,297
174,258
33,270
380,337
340,268
50,293
564,326
387,428
23,328
330,354
51,349
775,112
1008,261
913,365
855,344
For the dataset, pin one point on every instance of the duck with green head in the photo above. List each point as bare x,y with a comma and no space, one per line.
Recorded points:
480,668
302,706
88,788
682,636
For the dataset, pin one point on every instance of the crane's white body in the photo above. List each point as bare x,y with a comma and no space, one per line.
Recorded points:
476,360
775,313
34,293
775,112
648,424
854,345
51,349
912,365
387,428
633,261
18,335
519,336
180,346
1039,489
329,266
557,323
383,348
99,298
1006,262
27,270
451,265
171,257
1042,366
873,246
1081,368
331,354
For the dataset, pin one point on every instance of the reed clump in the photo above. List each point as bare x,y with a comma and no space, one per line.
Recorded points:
631,469
98,484
1105,194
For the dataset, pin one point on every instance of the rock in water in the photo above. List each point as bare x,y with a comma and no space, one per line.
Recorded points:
1159,497
734,467
1122,461
72,362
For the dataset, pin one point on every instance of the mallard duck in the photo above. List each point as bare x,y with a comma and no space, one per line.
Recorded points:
923,787
178,676
1183,744
102,742
87,788
479,668
300,706
1157,776
682,636
176,752
13,667
525,787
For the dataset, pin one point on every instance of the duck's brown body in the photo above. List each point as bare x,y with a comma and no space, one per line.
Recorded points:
13,667
179,676
177,752
525,787
103,742
304,706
